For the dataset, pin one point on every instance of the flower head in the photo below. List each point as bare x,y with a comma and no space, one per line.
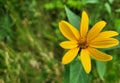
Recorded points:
86,42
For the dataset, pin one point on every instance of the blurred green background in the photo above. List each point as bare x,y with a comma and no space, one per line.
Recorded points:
29,38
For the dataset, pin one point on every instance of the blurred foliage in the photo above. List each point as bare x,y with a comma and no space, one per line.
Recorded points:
29,38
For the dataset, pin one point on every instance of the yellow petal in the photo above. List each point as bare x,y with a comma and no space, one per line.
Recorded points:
95,30
107,34
70,55
96,54
69,44
84,24
104,42
69,31
85,59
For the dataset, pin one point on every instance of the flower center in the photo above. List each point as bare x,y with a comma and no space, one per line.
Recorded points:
83,43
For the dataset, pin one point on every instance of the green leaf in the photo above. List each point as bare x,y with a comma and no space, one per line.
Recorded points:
77,73
66,74
117,10
73,18
101,68
117,25
108,8
91,1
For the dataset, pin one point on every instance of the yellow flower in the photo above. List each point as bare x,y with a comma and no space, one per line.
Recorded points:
85,42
